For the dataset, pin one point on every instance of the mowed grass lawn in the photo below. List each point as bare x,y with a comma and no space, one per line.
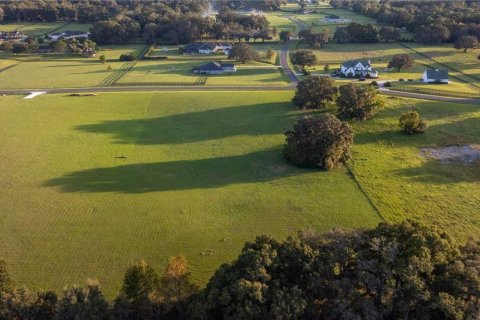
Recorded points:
61,72
203,173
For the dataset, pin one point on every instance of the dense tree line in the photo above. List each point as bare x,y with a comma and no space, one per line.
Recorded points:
432,21
114,21
161,21
402,271
93,10
356,32
231,25
268,5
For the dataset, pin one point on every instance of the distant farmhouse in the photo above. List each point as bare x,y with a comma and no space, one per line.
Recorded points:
68,34
213,68
358,69
207,48
435,76
335,19
14,35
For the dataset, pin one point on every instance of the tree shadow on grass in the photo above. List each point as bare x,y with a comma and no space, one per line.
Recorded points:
436,172
385,129
262,166
252,120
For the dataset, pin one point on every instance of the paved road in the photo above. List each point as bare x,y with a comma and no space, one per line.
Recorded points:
285,56
146,89
384,91
285,65
413,95
387,91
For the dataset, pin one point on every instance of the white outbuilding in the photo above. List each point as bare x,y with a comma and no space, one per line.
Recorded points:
435,76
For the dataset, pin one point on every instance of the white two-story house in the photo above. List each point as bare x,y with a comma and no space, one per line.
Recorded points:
358,69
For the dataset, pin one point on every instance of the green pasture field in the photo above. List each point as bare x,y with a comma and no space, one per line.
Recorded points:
6,63
76,27
170,72
403,184
380,54
467,62
173,52
452,89
91,184
113,52
32,29
61,71
280,20
55,73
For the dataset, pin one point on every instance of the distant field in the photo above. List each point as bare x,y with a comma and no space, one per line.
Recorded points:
113,52
203,174
467,63
380,54
76,27
55,74
32,29
58,72
453,89
167,72
281,21
173,53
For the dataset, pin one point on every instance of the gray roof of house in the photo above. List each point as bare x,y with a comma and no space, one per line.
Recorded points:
198,45
214,66
353,63
437,74
204,45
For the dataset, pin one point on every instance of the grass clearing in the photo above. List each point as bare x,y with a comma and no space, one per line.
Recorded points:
203,174
55,73
75,26
32,29
113,52
403,184
465,66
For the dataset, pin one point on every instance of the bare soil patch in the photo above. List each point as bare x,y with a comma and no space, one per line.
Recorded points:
464,153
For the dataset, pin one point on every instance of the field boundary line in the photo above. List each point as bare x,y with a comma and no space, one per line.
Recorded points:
8,67
58,28
365,193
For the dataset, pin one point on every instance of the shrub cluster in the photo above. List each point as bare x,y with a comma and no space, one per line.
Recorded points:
127,57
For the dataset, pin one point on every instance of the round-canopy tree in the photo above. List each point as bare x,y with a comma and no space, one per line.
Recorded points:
285,35
315,93
304,58
412,123
466,42
358,102
401,61
319,142
243,52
